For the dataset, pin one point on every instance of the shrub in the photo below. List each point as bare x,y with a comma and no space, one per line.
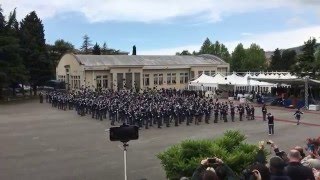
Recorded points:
181,160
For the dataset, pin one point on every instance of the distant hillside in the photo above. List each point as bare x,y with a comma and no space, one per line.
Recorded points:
297,49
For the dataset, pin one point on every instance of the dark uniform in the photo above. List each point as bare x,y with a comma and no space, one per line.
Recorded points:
297,115
232,113
264,112
270,124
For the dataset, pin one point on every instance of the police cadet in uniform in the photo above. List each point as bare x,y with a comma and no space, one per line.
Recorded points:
216,114
189,116
158,116
225,112
175,116
264,112
252,112
149,108
196,115
41,97
247,111
232,112
241,112
297,115
221,110
166,115
207,115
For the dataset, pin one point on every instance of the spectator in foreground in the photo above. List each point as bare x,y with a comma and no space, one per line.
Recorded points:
295,170
276,168
207,170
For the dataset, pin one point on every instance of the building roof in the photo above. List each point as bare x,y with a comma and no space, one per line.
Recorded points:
147,60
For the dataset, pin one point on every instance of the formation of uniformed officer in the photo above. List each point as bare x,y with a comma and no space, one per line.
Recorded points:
160,108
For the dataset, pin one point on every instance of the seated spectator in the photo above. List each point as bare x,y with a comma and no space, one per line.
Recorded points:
276,168
295,170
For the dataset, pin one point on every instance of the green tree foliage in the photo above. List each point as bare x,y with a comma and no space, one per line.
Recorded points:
317,61
216,49
276,60
306,62
238,57
12,69
2,20
184,52
255,59
104,48
220,50
282,61
86,45
288,58
182,159
57,50
206,47
96,49
34,53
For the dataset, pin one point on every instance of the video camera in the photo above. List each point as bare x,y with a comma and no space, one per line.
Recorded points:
124,133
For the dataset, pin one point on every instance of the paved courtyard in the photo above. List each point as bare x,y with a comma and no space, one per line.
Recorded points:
40,142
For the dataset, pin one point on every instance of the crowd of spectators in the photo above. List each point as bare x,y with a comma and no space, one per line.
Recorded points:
298,164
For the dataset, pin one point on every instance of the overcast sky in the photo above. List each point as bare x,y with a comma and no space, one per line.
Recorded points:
162,27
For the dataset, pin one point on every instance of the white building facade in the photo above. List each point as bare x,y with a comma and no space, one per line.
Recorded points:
125,72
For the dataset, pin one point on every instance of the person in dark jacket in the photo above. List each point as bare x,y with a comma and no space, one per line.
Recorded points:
270,123
264,112
276,167
295,170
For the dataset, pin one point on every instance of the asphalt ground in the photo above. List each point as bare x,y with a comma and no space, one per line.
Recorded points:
40,142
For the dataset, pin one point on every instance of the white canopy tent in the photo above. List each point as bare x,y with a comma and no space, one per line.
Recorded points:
246,83
204,81
208,83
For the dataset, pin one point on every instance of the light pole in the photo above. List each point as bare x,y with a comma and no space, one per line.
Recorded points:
306,92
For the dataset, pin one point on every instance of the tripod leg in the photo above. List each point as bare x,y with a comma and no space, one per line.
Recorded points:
125,160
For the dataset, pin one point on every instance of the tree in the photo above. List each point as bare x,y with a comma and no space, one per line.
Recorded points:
134,50
206,47
238,58
306,61
12,24
182,159
12,69
58,49
184,52
2,20
255,59
317,61
104,48
288,58
276,60
86,45
216,49
220,50
34,52
96,49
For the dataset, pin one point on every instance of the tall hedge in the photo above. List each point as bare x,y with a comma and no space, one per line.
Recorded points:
182,159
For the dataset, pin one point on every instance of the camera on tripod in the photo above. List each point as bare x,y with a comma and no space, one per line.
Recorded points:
124,133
